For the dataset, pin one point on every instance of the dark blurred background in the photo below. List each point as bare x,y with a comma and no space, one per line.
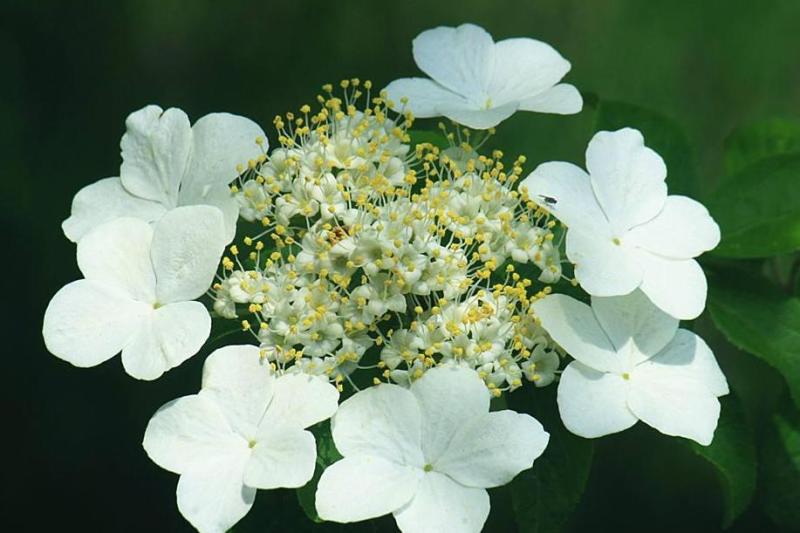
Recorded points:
71,71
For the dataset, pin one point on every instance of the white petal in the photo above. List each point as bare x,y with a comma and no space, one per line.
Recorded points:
441,504
187,246
688,355
491,449
677,286
214,498
524,68
573,325
425,96
241,384
88,322
283,456
383,421
188,433
103,201
593,404
155,152
218,196
546,364
117,253
603,267
363,487
628,178
682,230
634,325
478,119
449,397
563,99
566,191
459,58
168,337
301,401
681,407
221,142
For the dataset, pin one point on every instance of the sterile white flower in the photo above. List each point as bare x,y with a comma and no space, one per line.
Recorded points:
244,430
632,363
479,83
624,231
136,295
425,454
166,163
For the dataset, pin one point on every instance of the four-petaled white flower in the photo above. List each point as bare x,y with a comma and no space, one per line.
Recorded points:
632,363
624,232
135,298
167,163
425,454
244,430
479,83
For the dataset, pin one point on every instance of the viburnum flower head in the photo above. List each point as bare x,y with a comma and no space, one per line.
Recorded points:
479,83
425,454
632,363
624,232
136,295
244,430
166,163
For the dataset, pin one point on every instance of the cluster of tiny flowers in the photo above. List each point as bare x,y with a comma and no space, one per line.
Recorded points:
370,241
435,271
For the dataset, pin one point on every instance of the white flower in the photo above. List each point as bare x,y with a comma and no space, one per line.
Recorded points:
624,231
479,83
136,294
632,363
531,244
244,430
403,345
167,163
425,454
542,366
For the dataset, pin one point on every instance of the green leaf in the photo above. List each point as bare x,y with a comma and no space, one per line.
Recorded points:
733,455
661,134
590,100
758,210
759,318
306,496
327,454
545,496
794,279
780,469
760,140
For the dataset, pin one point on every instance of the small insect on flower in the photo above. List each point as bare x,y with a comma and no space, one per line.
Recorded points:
549,200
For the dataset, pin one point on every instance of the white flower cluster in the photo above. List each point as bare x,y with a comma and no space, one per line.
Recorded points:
370,242
433,272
